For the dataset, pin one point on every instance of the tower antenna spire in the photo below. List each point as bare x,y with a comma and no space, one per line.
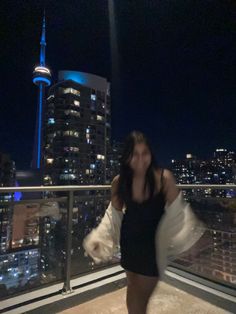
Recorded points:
43,41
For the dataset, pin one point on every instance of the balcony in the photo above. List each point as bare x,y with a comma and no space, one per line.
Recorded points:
43,267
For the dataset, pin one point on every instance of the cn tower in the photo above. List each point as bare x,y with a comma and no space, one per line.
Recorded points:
41,78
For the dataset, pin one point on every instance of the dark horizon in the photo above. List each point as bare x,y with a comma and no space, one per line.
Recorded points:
172,67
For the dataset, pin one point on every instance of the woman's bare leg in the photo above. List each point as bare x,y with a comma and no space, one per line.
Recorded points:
139,290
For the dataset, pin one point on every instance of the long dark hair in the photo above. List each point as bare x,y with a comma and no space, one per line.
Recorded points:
124,191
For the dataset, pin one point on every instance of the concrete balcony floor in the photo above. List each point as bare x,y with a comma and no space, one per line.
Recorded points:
165,299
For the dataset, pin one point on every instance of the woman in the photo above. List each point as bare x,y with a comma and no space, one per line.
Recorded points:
144,190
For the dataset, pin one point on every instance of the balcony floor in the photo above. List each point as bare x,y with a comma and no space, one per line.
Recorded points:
165,299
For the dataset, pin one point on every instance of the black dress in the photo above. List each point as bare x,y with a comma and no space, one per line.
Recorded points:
137,238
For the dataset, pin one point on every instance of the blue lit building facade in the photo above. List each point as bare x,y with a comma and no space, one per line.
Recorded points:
41,78
77,130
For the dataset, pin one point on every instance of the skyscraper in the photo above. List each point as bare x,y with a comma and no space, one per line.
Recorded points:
77,130
42,78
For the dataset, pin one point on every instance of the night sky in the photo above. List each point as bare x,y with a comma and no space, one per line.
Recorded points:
173,69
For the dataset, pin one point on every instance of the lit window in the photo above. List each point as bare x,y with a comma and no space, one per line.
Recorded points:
72,113
51,120
87,171
93,97
100,157
76,103
71,133
50,97
71,90
48,179
75,113
87,130
68,176
99,118
92,166
50,160
71,149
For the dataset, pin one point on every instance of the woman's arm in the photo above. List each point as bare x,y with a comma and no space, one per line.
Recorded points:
169,187
115,201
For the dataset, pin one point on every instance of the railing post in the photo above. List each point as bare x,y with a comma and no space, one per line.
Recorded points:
66,288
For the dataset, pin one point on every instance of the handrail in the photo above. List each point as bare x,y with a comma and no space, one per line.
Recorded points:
103,187
207,186
43,188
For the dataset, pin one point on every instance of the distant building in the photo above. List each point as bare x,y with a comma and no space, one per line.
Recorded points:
186,171
7,178
77,130
220,169
28,178
224,162
19,255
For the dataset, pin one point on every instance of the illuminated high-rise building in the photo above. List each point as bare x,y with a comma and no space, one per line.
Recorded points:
186,171
41,78
77,130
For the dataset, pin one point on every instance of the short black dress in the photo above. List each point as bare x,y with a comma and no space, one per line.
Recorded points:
137,238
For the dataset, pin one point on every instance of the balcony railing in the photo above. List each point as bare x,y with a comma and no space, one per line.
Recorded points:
41,234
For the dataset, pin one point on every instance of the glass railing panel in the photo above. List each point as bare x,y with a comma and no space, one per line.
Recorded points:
214,256
34,237
32,247
89,208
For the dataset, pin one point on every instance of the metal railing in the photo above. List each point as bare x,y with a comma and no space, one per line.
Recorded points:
71,193
70,190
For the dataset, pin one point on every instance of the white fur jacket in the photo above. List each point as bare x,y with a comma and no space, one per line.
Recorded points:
178,230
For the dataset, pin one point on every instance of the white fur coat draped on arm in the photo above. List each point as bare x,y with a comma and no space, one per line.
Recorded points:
103,241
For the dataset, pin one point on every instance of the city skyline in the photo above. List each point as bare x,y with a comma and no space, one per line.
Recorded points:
176,70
